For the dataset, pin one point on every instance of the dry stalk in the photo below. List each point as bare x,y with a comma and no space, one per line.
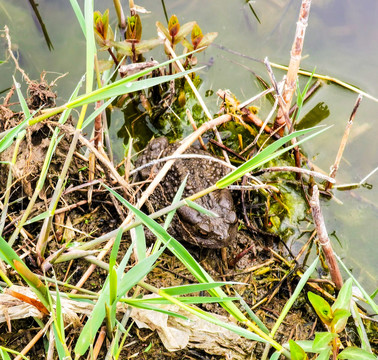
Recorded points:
295,59
297,170
194,126
343,143
324,239
286,121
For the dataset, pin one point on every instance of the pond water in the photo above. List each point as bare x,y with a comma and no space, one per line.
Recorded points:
340,42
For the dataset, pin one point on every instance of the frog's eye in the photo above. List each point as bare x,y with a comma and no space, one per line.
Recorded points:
203,232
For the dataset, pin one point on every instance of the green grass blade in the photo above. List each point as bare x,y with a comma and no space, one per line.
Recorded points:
90,42
131,278
200,208
176,199
187,289
115,248
158,309
295,295
8,139
183,299
99,110
79,15
252,315
140,242
212,319
122,87
21,99
370,301
269,153
275,356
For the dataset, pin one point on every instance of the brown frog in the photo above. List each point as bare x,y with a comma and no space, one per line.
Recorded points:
188,224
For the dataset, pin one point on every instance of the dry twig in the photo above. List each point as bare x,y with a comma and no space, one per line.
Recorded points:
343,143
292,73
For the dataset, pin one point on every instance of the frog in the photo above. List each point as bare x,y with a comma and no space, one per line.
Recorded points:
188,224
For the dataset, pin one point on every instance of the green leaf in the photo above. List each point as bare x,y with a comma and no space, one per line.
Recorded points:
184,30
275,356
324,354
342,302
340,318
4,354
297,353
98,111
374,294
8,139
366,295
355,353
306,345
321,307
322,341
21,99
344,297
252,315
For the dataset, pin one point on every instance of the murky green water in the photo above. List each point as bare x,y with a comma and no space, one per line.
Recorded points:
340,42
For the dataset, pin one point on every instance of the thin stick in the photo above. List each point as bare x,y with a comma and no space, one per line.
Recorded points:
297,170
284,109
324,239
295,59
194,126
344,140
